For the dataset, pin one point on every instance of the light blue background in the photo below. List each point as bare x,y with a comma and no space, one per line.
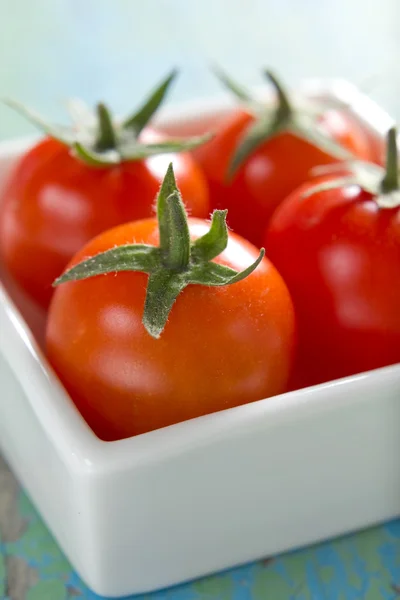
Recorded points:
115,50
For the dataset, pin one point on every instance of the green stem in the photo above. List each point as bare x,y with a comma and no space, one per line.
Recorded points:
390,182
167,188
106,137
178,255
284,109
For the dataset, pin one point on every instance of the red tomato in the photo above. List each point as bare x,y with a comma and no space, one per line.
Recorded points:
339,253
272,171
221,346
55,203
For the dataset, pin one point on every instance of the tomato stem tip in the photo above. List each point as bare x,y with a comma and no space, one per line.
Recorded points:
390,181
106,136
284,107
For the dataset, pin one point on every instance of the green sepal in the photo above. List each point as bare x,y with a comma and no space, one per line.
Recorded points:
163,288
176,263
284,109
95,159
129,257
233,86
212,243
138,121
325,186
304,127
213,274
58,132
136,150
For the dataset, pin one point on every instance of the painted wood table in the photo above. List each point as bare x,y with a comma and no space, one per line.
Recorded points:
364,566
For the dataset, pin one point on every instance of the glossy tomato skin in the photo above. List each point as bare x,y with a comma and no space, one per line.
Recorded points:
221,347
272,172
339,254
54,204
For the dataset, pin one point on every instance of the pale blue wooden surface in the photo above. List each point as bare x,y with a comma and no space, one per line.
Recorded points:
115,50
365,566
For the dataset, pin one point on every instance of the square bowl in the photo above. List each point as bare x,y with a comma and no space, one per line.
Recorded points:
181,502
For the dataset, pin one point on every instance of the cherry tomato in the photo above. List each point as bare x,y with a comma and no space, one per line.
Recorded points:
339,252
272,171
221,346
55,203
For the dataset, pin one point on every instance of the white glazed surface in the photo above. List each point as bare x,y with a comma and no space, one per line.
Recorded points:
178,503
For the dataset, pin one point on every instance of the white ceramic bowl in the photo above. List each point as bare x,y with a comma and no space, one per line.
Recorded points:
178,503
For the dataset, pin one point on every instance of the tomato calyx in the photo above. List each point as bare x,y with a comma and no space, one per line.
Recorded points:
300,119
383,183
176,263
100,140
